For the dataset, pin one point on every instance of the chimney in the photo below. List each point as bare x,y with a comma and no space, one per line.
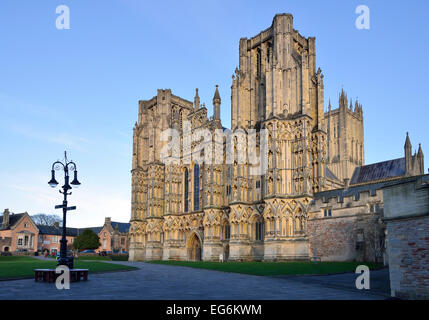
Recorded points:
107,221
5,223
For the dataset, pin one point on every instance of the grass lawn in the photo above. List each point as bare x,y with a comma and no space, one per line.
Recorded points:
274,268
23,267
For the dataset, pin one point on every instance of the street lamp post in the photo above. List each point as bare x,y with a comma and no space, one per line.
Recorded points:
67,167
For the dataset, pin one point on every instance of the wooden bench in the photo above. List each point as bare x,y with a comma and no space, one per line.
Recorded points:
49,275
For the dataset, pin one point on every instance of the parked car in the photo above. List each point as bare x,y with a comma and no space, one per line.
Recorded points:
69,254
88,251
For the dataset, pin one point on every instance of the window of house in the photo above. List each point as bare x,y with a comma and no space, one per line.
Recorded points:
122,241
25,225
20,242
258,184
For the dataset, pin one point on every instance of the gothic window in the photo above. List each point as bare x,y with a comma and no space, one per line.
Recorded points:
327,212
258,61
259,230
228,190
227,231
186,191
196,187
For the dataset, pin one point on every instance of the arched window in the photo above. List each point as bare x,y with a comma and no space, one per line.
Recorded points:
186,192
196,187
226,231
259,229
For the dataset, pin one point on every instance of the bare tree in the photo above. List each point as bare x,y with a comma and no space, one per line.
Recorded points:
46,219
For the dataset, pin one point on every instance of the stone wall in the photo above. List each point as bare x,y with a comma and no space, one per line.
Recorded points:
407,218
344,239
352,229
409,257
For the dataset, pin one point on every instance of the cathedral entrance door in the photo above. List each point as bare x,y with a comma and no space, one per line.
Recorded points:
194,248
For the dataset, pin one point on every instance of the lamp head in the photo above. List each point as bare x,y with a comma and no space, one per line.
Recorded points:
53,183
75,183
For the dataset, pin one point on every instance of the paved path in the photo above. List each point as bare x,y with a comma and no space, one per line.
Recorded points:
154,281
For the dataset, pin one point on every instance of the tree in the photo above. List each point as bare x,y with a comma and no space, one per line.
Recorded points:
87,240
46,219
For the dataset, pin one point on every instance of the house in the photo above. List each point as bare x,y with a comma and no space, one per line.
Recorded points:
113,236
18,232
50,236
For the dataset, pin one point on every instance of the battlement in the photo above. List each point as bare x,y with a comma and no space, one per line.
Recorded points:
354,195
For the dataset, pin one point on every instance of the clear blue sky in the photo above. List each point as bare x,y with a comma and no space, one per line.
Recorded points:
78,89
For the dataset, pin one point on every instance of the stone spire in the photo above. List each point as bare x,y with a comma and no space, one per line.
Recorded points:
216,104
408,156
343,99
420,160
196,100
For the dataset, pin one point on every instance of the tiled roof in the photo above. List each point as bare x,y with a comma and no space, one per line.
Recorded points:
13,219
329,174
379,171
122,226
52,230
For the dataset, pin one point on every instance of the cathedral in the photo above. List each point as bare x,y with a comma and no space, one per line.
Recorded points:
315,199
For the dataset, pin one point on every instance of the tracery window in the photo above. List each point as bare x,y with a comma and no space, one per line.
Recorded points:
196,187
186,191
259,227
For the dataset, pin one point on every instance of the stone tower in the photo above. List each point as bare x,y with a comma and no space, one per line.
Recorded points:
277,77
278,88
345,137
162,112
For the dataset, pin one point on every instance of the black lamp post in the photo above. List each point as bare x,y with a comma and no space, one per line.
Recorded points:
67,166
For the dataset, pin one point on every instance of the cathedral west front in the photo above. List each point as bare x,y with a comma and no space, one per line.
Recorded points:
314,199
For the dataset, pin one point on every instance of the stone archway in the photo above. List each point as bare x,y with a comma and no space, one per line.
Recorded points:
6,249
194,247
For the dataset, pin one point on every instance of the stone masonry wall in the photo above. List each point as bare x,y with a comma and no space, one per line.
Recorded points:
409,257
336,239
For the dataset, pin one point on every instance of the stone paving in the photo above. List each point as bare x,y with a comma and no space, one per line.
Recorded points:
164,282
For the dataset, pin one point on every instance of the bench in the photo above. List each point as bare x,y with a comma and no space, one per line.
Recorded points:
49,275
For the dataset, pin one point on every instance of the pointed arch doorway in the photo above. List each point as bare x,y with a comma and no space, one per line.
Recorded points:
194,247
